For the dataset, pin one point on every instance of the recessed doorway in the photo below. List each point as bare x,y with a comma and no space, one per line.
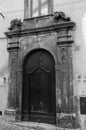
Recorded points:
38,98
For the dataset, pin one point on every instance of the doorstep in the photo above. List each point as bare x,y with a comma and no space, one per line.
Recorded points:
41,126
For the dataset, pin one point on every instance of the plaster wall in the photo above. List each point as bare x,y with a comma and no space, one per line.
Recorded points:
8,13
76,10
3,73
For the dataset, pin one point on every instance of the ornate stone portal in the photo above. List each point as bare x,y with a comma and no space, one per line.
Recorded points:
53,33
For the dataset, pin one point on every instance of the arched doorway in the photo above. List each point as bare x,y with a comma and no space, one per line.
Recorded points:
38,99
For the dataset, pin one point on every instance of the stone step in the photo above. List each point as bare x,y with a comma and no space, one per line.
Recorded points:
42,126
29,126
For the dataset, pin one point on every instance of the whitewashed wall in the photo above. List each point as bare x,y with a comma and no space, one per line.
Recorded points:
76,10
10,9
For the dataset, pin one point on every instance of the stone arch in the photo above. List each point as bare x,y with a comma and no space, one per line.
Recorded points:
37,47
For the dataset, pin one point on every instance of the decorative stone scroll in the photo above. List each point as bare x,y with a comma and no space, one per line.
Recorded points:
15,24
61,17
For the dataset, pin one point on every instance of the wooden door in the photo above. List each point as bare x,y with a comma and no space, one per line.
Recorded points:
39,87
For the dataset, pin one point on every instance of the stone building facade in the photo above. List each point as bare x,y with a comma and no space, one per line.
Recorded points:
42,84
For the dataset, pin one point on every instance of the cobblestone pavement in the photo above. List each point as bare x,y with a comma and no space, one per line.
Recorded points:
6,126
26,126
14,126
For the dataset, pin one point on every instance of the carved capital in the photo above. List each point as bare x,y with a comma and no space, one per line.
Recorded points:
13,46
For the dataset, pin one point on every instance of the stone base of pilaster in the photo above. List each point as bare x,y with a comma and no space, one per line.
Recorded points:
10,115
68,121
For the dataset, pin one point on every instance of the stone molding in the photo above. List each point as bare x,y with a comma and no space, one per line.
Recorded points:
44,29
37,25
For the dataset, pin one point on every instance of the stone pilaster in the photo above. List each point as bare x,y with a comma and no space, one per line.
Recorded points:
12,102
66,117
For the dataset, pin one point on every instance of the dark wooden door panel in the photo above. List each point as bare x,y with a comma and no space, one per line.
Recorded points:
39,87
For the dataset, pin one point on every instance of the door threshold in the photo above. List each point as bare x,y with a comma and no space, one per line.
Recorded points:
35,125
